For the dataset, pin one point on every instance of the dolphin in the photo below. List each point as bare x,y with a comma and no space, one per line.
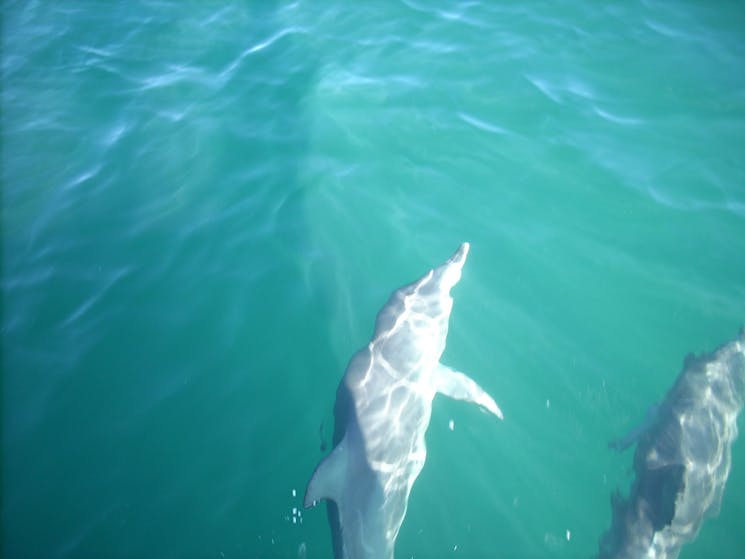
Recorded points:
382,411
682,459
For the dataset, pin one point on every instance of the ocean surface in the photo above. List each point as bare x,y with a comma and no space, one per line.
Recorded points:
204,205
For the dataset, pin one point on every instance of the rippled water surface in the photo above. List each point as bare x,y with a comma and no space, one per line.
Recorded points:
204,206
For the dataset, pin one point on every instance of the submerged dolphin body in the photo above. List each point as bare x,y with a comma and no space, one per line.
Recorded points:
383,408
682,459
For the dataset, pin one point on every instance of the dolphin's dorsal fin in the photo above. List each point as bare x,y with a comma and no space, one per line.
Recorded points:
460,387
328,477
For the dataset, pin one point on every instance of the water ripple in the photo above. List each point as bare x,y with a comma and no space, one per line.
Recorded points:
482,124
615,119
111,279
448,15
174,74
226,74
82,177
556,90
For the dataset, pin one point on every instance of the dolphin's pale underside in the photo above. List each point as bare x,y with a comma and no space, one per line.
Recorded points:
383,408
682,459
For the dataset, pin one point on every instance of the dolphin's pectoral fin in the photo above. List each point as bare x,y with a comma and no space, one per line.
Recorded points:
622,443
460,387
328,477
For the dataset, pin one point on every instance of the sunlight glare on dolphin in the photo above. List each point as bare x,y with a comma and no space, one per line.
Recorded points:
682,459
383,408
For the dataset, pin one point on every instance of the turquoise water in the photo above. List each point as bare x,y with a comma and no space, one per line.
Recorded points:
204,206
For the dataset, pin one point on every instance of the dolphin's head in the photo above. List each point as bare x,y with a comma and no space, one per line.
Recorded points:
425,304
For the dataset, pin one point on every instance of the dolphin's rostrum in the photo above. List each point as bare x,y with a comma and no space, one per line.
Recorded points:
383,408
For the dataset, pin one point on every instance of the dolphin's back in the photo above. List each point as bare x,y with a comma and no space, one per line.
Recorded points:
384,406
